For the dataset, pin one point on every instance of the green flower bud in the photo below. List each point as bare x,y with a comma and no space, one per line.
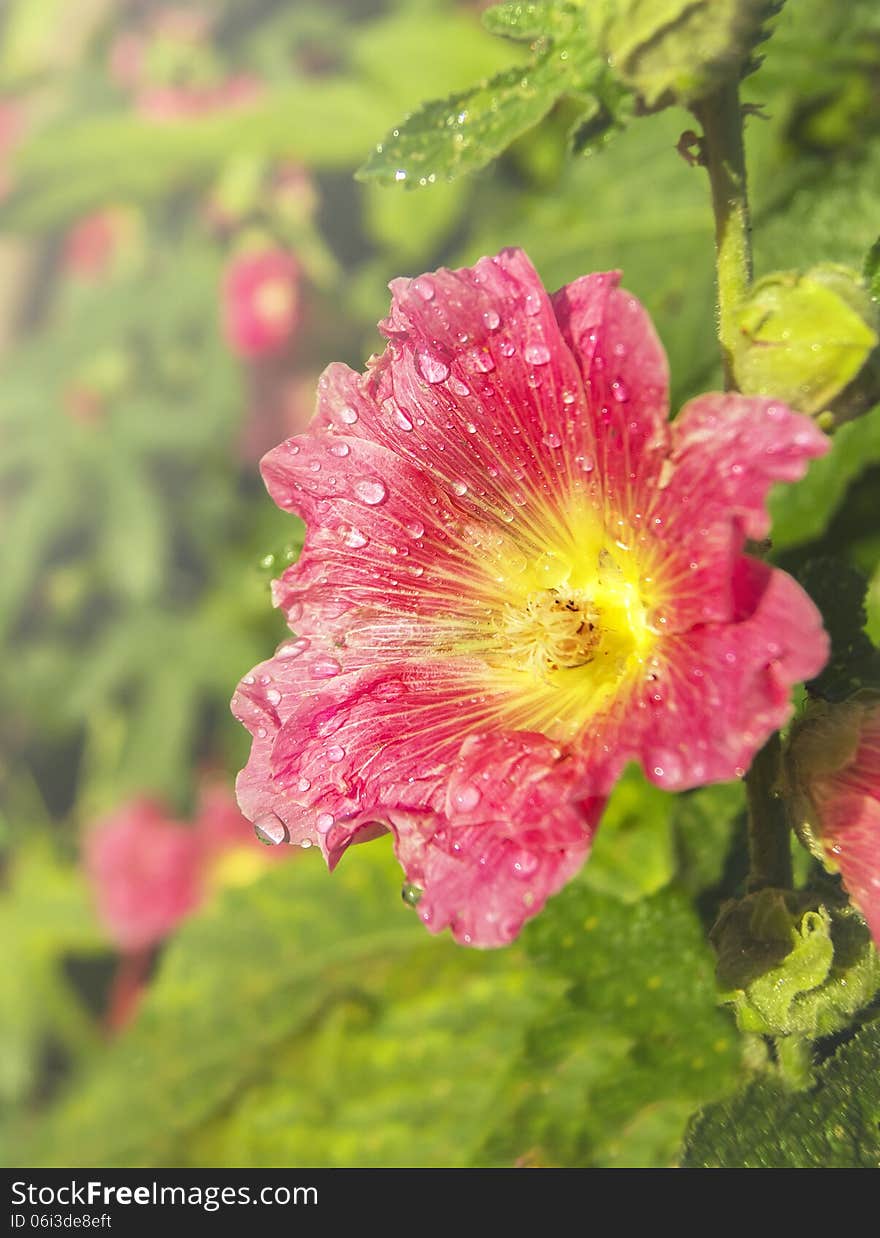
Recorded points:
676,51
794,964
804,338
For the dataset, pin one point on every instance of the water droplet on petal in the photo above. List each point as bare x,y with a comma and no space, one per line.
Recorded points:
537,354
273,696
525,865
619,391
402,421
532,303
370,490
411,894
568,397
424,288
271,830
465,798
586,464
348,415
551,440
325,821
339,449
459,488
325,668
415,528
335,753
353,537
304,784
433,369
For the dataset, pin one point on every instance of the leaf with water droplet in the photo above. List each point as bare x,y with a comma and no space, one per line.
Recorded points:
448,137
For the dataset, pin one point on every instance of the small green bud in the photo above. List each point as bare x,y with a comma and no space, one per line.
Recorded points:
794,964
676,51
805,337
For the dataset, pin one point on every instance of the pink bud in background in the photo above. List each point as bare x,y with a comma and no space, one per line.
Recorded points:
145,870
260,302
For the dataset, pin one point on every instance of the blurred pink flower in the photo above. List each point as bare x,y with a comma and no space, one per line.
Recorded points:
95,241
836,752
171,103
261,302
13,122
149,871
518,577
145,870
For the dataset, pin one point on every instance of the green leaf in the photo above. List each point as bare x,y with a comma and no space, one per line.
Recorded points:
633,855
465,131
801,512
408,1075
834,1125
611,1075
839,592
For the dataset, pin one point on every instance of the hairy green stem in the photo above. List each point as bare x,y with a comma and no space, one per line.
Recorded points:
723,153
769,830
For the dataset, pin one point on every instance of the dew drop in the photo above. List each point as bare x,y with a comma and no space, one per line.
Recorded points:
465,798
249,679
402,421
470,427
370,491
457,387
271,830
424,288
325,668
415,528
339,449
525,865
507,348
532,304
273,696
411,894
324,821
536,354
335,753
492,319
459,488
619,391
433,369
348,415
293,648
585,463
568,397
304,784
551,440
353,537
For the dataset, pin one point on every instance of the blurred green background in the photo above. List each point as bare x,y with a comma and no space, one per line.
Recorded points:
280,1016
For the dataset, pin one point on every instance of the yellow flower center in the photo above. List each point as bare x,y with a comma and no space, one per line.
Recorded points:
274,300
555,630
567,629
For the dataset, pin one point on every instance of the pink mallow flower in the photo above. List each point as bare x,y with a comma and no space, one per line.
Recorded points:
834,756
260,302
518,576
145,870
149,871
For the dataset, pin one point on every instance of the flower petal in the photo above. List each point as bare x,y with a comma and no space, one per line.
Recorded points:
626,378
512,833
715,694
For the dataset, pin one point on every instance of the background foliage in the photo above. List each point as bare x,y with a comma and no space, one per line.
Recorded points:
300,1019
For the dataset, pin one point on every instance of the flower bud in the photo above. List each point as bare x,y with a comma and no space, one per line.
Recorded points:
673,51
833,772
805,337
